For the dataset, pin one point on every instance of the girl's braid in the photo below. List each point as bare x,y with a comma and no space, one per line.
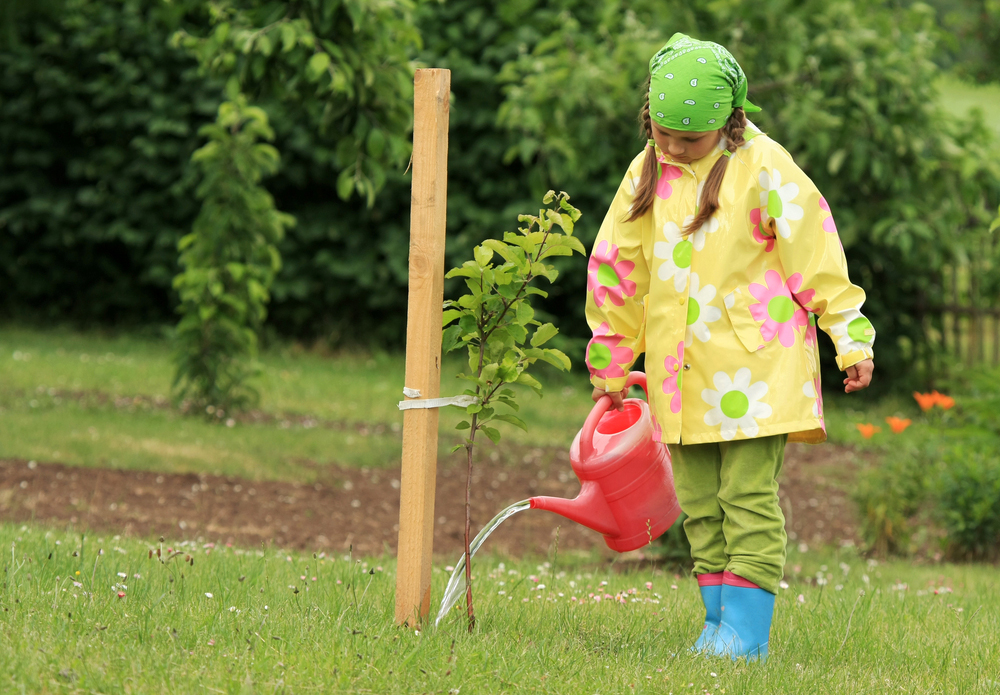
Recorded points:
646,190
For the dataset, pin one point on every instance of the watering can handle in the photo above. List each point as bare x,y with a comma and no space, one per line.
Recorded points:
601,407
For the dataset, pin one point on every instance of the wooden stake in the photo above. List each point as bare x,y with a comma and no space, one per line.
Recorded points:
423,342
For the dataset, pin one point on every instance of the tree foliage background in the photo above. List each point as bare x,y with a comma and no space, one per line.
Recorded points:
101,102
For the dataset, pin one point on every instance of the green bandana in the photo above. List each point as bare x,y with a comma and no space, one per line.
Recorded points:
695,85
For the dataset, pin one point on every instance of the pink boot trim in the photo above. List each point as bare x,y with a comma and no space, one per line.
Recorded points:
736,580
713,579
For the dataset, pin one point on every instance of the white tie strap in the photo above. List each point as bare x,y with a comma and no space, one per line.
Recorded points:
461,401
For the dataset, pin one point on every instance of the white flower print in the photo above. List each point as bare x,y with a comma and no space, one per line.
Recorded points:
700,312
809,391
633,184
676,255
709,226
724,143
736,404
777,200
854,332
730,299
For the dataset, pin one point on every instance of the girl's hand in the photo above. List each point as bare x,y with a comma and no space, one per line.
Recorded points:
859,376
617,399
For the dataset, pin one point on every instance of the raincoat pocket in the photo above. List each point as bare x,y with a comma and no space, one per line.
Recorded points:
746,328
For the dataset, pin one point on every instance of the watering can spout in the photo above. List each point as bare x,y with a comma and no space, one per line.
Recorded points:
588,508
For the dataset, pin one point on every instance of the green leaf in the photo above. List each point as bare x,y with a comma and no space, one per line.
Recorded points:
574,243
456,448
836,161
473,409
518,332
573,212
450,315
509,291
512,419
345,184
451,339
530,381
525,312
557,358
318,64
483,255
264,45
556,251
492,433
543,334
467,324
463,425
504,250
287,38
489,372
509,402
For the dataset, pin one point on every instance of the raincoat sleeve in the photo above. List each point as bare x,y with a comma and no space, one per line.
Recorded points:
809,247
617,285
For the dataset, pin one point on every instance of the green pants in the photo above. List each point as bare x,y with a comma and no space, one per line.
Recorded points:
729,491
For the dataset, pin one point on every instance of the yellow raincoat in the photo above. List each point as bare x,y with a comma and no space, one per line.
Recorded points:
726,316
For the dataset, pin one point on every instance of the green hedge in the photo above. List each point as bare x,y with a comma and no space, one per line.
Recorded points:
98,120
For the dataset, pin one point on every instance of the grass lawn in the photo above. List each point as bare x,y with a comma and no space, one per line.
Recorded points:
58,391
97,614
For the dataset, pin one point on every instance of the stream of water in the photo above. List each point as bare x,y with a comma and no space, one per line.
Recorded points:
456,585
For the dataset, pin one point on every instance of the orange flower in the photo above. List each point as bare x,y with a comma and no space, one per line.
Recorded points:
946,402
898,424
926,401
868,429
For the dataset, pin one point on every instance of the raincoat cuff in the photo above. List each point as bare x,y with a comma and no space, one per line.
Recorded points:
614,385
853,357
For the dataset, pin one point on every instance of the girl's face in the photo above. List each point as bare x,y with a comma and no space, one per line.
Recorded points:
685,146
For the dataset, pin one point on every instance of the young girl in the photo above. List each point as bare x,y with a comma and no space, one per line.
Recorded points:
717,258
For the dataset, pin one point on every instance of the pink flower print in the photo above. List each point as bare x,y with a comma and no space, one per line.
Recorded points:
675,372
657,430
606,275
757,234
604,356
777,309
668,173
810,337
828,224
802,297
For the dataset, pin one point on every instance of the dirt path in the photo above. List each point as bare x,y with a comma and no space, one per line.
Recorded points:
360,507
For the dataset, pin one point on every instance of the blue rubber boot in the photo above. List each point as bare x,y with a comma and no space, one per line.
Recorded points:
711,595
745,627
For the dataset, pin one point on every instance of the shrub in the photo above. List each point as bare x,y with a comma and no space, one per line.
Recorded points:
493,321
968,503
892,497
941,479
229,261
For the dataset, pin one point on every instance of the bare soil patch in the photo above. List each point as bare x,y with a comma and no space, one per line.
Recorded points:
360,507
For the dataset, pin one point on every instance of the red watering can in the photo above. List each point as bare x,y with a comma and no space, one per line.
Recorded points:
627,484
